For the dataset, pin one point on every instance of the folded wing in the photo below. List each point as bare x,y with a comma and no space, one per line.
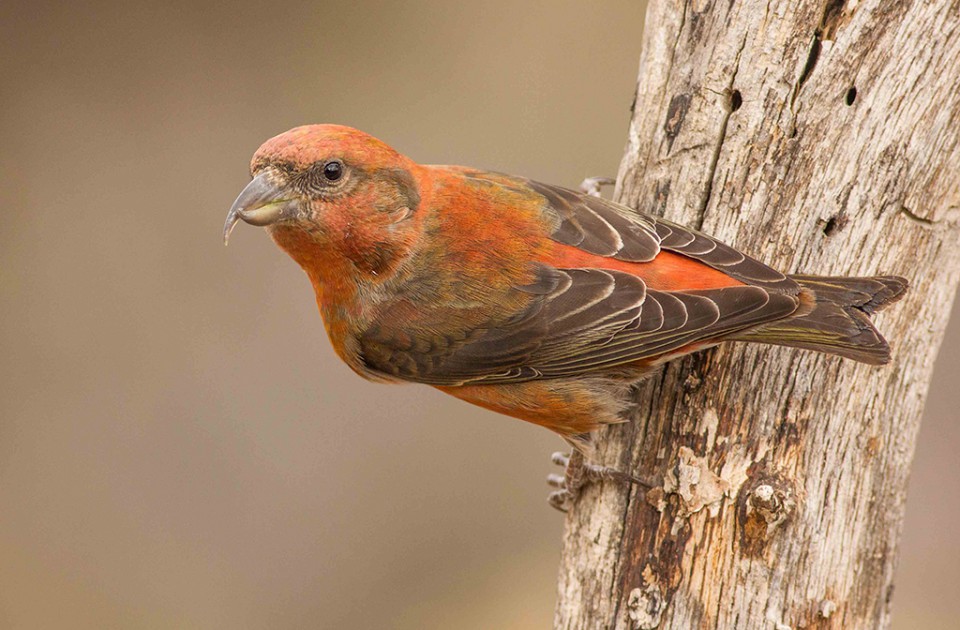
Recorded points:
580,321
604,228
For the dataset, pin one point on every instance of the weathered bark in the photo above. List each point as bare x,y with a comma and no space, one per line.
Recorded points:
821,137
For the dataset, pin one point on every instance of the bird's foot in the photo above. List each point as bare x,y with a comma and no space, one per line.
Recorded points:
592,185
577,474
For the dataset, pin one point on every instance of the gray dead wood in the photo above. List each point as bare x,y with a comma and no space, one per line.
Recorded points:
821,137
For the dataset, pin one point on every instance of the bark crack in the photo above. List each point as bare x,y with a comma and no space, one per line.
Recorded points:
676,41
673,53
680,152
830,21
950,221
907,212
628,504
812,57
722,136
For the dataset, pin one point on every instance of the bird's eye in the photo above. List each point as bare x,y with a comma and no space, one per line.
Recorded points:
333,170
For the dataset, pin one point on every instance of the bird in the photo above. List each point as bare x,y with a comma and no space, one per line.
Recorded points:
528,299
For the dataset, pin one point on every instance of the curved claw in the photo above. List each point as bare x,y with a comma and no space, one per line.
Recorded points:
578,473
560,500
556,481
560,458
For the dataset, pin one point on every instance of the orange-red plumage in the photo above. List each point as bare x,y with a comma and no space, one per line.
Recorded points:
524,298
668,272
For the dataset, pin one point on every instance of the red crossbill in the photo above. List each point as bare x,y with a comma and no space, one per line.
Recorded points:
528,299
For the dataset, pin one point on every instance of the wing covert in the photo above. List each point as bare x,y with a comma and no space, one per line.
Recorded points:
605,228
579,321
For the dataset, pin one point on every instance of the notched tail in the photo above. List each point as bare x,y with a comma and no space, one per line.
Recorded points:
838,320
868,295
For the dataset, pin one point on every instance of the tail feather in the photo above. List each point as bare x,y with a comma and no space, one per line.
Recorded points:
839,321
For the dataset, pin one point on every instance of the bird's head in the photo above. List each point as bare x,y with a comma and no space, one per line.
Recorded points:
331,188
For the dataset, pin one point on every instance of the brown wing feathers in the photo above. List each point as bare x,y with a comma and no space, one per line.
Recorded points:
593,320
608,229
599,227
589,320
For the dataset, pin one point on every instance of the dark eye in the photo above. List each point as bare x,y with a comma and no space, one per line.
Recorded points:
333,171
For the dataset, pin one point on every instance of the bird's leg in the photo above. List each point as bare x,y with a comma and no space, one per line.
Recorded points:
592,185
578,473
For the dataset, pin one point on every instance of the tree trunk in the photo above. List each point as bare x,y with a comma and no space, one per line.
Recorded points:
820,137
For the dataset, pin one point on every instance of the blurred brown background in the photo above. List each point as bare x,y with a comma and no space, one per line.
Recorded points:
178,445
